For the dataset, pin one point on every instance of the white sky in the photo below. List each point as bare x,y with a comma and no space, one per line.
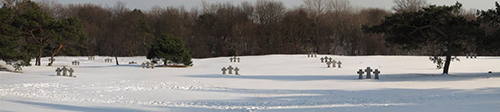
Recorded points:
188,4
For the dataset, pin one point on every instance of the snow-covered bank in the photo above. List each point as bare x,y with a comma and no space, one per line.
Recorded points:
267,83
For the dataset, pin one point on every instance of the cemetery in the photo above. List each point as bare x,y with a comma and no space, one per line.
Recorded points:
365,80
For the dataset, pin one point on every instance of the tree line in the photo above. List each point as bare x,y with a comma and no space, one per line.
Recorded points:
218,29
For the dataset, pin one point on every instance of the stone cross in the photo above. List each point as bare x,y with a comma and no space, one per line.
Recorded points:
328,64
315,54
322,59
238,60
360,72
58,71
230,68
143,64
309,55
147,64
223,70
17,67
368,72
333,63
71,72
340,64
231,59
376,72
236,71
330,59
91,58
467,55
65,71
152,65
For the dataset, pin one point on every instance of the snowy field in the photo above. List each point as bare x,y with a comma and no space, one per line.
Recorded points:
268,83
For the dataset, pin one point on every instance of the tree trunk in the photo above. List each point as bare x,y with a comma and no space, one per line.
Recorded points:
39,57
447,63
116,58
164,62
54,53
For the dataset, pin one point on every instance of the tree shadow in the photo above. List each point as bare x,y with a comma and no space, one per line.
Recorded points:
77,108
383,77
362,100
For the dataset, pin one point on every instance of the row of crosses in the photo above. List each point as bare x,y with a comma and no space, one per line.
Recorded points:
65,70
325,59
312,55
108,60
368,71
234,58
75,63
230,70
333,62
91,58
148,65
132,62
471,55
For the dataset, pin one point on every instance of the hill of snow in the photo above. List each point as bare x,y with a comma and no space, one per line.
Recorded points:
267,83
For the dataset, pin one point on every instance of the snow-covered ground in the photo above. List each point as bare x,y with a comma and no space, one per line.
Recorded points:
268,83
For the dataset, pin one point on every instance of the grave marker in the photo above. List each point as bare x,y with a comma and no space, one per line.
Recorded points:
223,70
230,68
360,72
368,72
58,72
17,67
376,72
340,64
322,59
236,71
328,64
71,72
334,63
65,71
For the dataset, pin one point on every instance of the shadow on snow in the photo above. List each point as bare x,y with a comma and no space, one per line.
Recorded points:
383,77
77,108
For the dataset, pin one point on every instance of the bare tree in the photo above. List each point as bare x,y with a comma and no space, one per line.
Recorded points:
409,5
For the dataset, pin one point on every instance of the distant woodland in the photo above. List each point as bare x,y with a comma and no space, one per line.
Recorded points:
250,28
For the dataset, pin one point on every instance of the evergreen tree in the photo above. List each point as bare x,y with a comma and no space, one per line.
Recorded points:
437,25
170,49
67,32
10,44
491,42
36,26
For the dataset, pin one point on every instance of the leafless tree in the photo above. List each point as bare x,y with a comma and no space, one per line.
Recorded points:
409,5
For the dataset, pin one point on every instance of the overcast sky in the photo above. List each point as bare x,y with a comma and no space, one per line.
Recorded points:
188,4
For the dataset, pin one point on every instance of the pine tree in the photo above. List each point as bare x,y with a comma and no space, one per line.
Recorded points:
491,42
36,26
437,25
170,49
10,44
